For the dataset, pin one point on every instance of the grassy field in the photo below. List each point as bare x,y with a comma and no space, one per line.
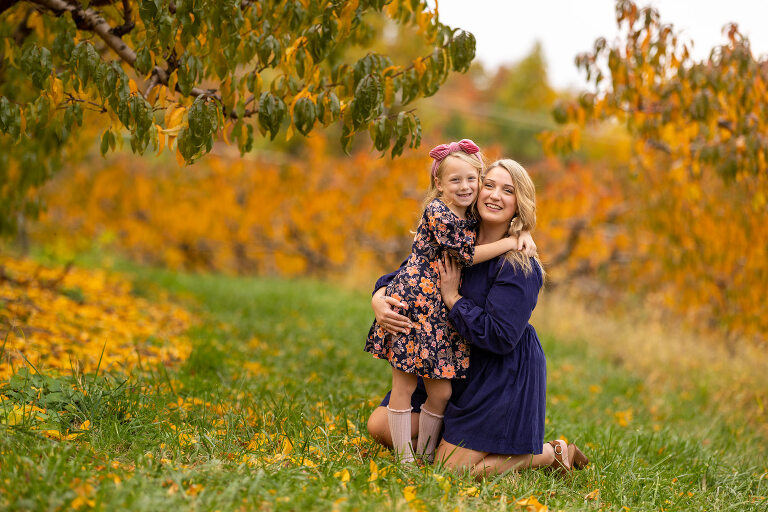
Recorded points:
268,412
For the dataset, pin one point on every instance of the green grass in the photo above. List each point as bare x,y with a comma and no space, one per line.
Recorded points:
651,449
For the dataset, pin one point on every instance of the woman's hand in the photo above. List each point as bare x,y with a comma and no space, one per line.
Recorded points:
450,276
387,318
526,244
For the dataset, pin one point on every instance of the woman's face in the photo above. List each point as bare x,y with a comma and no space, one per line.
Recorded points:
496,201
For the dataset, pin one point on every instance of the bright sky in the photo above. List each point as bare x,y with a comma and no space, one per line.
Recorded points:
506,29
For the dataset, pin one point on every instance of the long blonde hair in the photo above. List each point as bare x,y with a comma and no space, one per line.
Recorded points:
525,218
476,160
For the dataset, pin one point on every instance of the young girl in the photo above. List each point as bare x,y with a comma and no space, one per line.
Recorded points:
430,347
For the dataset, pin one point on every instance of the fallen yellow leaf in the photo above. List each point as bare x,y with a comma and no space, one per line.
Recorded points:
593,495
343,475
531,504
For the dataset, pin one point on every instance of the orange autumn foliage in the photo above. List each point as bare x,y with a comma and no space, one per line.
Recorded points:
688,249
695,191
309,215
62,318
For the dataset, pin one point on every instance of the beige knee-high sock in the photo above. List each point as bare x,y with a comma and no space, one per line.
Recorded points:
400,429
429,429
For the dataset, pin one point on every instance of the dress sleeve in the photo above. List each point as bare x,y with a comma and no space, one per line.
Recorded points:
384,280
499,326
455,236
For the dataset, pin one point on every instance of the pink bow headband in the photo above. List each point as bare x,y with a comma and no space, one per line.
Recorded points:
443,150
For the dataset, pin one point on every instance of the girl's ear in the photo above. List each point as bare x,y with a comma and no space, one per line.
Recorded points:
438,185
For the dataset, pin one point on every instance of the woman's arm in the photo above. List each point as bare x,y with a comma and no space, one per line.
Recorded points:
497,327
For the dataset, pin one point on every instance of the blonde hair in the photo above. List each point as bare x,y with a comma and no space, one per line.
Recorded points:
525,218
476,160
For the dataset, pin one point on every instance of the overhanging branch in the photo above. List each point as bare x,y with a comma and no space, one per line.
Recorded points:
88,19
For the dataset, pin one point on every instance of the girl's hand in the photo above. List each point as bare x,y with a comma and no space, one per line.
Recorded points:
387,318
526,244
450,275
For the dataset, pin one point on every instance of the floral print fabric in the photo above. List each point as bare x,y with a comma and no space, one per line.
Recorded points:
432,348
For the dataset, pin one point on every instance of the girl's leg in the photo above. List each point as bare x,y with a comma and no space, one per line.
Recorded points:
378,426
399,414
431,418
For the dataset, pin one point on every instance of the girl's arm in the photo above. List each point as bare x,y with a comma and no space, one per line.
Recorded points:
486,252
526,244
523,243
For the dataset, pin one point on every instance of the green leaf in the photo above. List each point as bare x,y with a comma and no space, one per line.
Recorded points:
415,131
304,115
269,51
149,11
64,42
369,95
143,63
462,48
105,143
36,64
271,113
10,118
401,134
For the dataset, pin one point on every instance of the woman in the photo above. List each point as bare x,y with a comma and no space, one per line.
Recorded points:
494,421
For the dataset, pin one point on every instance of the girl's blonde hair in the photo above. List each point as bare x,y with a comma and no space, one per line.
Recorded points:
525,218
476,160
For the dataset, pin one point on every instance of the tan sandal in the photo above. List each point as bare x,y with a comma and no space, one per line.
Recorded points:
561,464
576,457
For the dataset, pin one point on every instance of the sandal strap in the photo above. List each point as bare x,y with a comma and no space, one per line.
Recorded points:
558,449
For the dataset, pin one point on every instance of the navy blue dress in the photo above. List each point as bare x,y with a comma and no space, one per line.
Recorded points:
500,407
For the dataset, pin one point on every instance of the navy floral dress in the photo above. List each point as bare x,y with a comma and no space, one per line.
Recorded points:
432,348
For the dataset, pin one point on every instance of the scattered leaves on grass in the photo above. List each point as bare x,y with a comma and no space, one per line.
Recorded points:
60,317
531,504
623,418
592,495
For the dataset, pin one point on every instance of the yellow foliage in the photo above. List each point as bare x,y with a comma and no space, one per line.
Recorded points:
684,240
309,215
342,475
531,504
61,316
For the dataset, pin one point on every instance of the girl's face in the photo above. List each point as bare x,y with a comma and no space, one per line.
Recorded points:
497,201
458,184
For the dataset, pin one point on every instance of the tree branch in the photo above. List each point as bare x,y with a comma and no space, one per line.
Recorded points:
88,19
23,29
128,23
